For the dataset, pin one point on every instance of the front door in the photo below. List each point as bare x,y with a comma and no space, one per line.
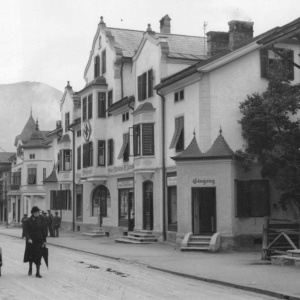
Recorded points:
131,211
148,205
79,208
204,210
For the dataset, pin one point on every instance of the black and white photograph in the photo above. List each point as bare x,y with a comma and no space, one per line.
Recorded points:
149,149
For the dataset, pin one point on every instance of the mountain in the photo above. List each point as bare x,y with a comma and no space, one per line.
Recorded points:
15,102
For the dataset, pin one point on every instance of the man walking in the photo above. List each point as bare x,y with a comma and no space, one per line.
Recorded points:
56,224
50,223
23,224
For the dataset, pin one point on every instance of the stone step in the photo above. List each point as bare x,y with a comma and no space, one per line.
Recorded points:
138,234
142,239
200,238
191,243
194,249
125,241
93,234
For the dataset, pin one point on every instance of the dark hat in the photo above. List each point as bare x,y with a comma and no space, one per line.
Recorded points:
48,210
56,212
44,213
35,209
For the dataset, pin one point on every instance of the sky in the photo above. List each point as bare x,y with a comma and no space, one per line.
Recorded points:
49,40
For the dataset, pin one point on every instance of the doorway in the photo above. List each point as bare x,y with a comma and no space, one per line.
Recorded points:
204,211
126,208
99,203
148,205
172,208
79,208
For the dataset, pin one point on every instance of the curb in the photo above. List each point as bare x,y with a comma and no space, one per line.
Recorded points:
213,281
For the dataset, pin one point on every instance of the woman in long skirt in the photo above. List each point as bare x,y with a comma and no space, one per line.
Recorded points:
35,232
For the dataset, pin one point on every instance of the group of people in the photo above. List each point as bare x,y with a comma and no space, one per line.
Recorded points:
53,223
35,230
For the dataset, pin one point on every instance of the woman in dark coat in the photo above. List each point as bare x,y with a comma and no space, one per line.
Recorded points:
35,233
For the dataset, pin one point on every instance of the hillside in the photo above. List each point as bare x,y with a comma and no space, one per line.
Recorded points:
15,102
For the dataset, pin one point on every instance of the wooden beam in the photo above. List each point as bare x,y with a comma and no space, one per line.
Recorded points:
285,58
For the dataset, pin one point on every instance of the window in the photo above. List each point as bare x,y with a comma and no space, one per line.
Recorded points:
31,156
67,163
44,174
148,139
67,121
90,106
101,153
99,45
31,176
19,151
96,66
125,116
267,58
124,152
79,158
101,105
84,109
110,152
88,155
252,198
103,61
79,133
109,100
178,137
60,200
179,96
145,85
136,140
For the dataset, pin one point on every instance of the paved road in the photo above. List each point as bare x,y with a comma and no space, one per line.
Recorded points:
74,275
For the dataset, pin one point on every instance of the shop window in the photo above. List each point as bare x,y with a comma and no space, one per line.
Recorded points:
110,152
125,117
60,200
100,198
178,137
252,198
101,153
145,85
267,58
109,100
88,155
124,152
172,208
31,176
67,121
31,156
101,105
96,66
79,133
179,96
84,109
90,106
103,61
79,158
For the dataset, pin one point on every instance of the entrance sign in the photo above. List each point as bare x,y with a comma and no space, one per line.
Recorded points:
86,129
124,184
171,181
202,181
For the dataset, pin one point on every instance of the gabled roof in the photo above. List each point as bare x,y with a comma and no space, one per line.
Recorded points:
52,177
144,107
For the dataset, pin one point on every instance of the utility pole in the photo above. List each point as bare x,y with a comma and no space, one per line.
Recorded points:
204,29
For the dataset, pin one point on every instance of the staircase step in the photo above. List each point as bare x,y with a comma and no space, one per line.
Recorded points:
143,231
93,234
197,238
192,243
194,249
125,241
137,234
142,239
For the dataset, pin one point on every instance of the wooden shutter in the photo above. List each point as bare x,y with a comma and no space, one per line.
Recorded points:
103,62
136,140
150,83
243,196
84,155
90,107
79,158
179,122
144,86
58,199
84,109
290,66
264,62
101,105
91,154
69,200
110,151
259,198
61,160
148,139
52,200
140,88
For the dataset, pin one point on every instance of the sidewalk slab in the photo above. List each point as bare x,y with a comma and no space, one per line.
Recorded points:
244,270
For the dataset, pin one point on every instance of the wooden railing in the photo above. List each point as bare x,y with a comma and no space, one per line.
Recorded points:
280,235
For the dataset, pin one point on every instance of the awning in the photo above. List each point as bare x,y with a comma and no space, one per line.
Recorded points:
178,130
125,143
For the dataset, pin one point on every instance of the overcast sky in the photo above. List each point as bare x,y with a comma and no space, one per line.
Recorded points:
50,41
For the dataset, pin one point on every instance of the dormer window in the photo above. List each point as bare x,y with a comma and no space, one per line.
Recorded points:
31,156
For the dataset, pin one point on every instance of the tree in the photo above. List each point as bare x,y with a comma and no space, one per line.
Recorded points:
272,129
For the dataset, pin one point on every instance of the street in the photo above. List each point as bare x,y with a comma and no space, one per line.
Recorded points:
76,275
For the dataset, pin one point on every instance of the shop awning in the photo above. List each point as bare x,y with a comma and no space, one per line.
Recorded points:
125,143
178,130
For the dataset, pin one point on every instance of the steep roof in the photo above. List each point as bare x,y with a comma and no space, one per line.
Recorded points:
37,139
192,151
27,130
52,177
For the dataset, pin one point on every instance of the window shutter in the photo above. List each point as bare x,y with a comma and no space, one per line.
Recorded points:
101,105
84,109
243,199
91,155
79,158
136,140
148,139
110,150
139,79
179,123
290,66
90,107
264,62
84,156
58,199
144,86
52,199
103,62
150,83
60,160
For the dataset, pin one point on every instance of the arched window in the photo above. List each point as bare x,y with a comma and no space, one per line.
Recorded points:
99,201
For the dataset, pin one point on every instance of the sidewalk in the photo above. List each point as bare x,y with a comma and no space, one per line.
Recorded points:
244,270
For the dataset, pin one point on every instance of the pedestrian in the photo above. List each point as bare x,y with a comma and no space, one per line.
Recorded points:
50,223
56,224
44,215
23,224
35,233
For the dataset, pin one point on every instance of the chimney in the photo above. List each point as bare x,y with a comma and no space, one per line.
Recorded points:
217,42
165,24
239,31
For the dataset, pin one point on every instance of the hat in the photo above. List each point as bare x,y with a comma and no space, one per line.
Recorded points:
44,213
48,210
56,212
35,209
